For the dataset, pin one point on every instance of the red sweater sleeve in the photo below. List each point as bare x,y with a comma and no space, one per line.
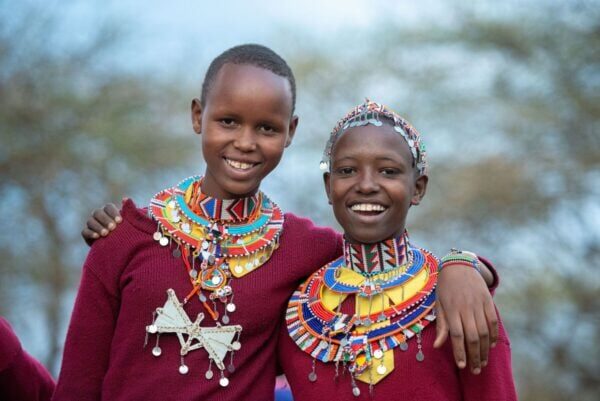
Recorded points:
495,382
90,334
22,377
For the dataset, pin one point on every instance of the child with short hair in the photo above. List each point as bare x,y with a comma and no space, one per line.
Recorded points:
203,275
359,327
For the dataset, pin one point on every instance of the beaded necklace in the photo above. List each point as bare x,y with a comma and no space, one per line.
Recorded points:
217,240
393,287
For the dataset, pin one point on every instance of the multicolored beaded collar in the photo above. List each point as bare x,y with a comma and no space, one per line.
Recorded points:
393,287
216,239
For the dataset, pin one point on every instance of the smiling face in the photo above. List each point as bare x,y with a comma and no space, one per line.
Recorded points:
372,183
245,124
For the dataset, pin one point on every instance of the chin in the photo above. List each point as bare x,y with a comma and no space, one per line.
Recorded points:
365,236
241,189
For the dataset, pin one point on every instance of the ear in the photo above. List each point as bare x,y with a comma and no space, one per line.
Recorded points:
197,115
291,130
420,189
326,181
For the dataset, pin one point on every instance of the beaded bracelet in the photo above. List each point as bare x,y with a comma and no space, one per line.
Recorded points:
462,258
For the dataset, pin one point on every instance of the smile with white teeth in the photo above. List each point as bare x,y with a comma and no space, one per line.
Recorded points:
239,165
368,207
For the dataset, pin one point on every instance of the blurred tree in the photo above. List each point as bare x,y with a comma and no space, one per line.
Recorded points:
74,133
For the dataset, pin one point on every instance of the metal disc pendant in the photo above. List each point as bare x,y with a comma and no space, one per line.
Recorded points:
239,269
156,351
381,369
312,376
378,354
403,346
152,329
420,356
236,345
202,297
231,368
367,322
230,307
176,253
183,369
157,236
224,382
225,319
355,391
164,241
209,374
193,273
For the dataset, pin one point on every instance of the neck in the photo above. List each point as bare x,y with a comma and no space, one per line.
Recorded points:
376,257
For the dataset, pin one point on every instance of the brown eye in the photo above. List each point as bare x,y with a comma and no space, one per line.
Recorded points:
227,122
267,129
345,171
390,171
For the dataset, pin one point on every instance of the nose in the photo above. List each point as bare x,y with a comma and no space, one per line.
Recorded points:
245,140
367,182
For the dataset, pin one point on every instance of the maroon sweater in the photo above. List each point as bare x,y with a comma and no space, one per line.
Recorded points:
125,278
22,378
434,379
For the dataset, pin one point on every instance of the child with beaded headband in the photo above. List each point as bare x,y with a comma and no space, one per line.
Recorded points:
367,313
224,257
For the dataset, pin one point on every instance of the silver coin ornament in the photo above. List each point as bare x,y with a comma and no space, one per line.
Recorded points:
225,319
403,346
236,345
420,356
355,391
224,382
183,369
381,369
164,241
378,354
176,253
231,368
152,329
239,269
202,297
156,351
230,307
157,236
312,376
209,374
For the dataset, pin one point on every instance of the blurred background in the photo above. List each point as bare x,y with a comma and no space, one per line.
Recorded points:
94,106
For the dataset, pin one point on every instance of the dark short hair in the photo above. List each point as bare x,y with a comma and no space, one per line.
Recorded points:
250,54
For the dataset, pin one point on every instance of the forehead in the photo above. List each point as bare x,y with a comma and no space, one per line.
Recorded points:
371,143
240,84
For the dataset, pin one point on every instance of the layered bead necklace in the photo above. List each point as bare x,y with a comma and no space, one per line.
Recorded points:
392,284
217,240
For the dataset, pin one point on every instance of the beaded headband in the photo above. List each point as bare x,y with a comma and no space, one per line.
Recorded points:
372,113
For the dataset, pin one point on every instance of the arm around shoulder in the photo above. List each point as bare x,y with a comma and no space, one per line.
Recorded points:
495,382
